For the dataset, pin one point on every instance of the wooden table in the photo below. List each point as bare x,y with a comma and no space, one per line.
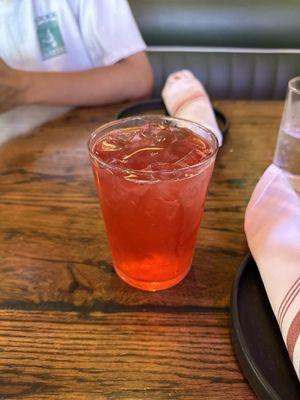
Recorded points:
69,327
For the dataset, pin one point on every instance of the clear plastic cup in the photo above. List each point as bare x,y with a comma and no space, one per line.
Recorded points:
152,217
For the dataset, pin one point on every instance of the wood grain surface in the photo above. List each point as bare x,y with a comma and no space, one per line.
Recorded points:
69,327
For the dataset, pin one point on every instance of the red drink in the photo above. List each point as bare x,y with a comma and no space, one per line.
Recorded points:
152,175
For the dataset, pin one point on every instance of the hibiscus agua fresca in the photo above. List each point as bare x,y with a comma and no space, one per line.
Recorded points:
152,175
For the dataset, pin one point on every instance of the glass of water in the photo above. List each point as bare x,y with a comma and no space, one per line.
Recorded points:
287,153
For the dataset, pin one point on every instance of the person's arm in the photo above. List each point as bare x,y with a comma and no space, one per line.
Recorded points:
128,79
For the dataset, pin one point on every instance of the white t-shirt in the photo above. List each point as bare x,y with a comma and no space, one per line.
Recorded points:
61,35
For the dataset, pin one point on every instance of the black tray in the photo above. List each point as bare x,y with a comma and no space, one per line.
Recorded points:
257,340
157,104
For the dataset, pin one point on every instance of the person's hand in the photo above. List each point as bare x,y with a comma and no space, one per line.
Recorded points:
12,87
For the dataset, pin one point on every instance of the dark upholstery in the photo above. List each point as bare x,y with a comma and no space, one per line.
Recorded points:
238,49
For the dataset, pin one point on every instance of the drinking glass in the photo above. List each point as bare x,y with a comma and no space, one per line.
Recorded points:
287,153
151,216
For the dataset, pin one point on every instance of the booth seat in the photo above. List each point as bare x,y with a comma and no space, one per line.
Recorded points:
238,49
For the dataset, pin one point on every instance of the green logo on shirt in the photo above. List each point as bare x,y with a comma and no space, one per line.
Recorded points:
50,38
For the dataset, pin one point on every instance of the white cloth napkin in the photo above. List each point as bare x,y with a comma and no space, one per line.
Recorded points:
272,226
185,97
